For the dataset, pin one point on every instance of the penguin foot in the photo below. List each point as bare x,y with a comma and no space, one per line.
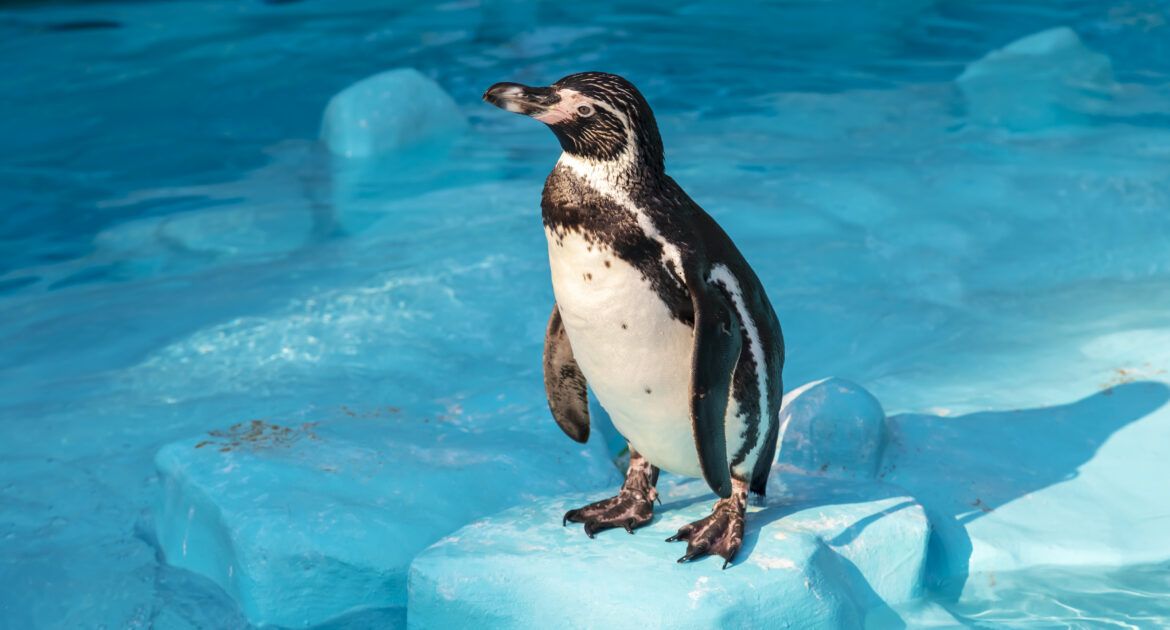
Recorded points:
629,510
632,508
720,533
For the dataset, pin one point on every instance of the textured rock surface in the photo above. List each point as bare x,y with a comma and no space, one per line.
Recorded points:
317,523
308,523
1043,79
389,111
822,552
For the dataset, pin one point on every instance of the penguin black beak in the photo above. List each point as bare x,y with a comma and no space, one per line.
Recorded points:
521,99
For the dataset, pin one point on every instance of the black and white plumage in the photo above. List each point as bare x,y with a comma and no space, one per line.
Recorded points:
656,311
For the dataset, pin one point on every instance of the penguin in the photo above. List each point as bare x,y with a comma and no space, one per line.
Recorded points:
655,310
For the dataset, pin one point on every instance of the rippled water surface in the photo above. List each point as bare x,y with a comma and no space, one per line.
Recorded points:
177,252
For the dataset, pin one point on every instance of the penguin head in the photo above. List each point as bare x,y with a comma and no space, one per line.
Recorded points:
596,116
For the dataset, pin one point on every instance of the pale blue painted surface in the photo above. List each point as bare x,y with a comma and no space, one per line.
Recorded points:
821,553
304,524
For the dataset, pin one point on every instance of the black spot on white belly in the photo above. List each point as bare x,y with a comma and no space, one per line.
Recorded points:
569,206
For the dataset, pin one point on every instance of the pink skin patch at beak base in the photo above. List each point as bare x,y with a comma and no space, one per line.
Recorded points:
553,116
565,108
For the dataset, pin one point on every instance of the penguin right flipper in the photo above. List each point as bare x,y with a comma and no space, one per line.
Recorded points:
564,383
713,358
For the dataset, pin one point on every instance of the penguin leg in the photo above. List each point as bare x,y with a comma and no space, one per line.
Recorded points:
632,508
721,532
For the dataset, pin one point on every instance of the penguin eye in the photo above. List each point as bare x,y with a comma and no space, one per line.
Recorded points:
585,111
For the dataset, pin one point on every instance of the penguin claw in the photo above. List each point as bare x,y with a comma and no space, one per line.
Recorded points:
718,534
691,554
628,510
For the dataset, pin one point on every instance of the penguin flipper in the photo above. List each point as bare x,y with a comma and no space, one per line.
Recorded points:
564,384
713,358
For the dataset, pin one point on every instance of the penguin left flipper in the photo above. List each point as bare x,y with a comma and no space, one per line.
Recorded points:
714,355
564,383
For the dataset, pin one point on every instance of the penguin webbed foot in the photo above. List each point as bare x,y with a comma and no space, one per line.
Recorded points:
719,533
632,508
629,510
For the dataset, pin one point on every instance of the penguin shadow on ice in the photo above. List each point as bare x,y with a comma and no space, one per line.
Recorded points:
832,437
964,468
959,469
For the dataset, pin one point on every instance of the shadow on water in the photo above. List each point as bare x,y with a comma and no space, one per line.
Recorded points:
965,467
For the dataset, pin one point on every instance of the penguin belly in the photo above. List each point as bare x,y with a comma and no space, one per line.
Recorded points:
635,356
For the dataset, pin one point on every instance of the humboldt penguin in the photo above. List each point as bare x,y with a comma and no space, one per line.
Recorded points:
656,311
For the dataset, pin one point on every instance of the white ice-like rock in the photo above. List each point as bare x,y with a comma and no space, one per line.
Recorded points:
832,427
304,524
388,112
1045,79
821,553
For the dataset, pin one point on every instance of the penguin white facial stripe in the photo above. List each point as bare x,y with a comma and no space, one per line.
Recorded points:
600,176
722,275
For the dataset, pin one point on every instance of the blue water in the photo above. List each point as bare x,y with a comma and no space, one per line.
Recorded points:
177,253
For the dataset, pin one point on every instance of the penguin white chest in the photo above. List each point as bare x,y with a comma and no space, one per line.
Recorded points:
634,354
